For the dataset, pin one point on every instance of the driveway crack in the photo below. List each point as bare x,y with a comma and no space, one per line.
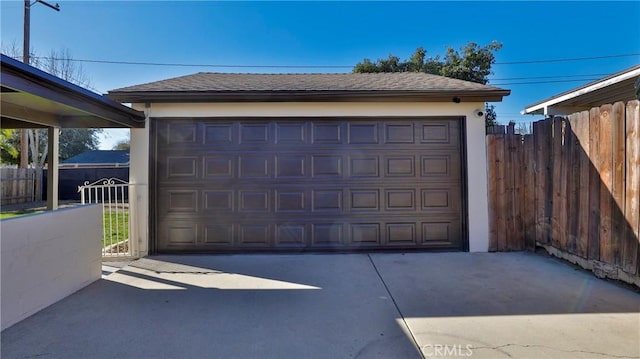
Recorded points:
393,300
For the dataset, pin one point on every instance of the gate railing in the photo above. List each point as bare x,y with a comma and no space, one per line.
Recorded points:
113,195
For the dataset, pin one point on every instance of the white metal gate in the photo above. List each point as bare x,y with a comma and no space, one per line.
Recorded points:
113,195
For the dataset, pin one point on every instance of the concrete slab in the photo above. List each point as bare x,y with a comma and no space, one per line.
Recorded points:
251,306
521,305
337,306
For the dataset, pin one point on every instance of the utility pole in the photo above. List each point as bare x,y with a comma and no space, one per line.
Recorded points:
24,139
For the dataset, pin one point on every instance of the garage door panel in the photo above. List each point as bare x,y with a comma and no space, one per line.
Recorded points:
399,166
179,167
291,234
254,133
441,232
178,234
399,133
401,233
326,132
256,200
291,201
363,133
440,133
439,167
364,200
326,166
219,166
218,235
400,199
327,200
219,134
319,185
441,199
291,133
364,166
291,166
327,235
364,234
181,134
218,200
255,166
254,234
180,201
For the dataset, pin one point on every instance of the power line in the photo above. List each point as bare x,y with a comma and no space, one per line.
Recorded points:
566,59
540,82
545,77
197,65
176,64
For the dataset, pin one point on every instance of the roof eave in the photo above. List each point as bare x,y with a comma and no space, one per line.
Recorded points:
28,79
542,107
310,96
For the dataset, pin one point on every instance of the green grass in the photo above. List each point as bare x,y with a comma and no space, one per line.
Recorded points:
5,215
117,229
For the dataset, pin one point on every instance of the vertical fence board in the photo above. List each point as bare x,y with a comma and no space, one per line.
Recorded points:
594,184
514,235
491,181
529,199
631,247
555,185
508,189
540,169
605,158
582,135
573,184
618,179
548,168
500,189
562,216
520,194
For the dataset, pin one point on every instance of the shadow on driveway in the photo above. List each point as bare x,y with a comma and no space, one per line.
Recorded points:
336,306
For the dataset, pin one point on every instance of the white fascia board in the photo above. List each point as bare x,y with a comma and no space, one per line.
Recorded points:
542,108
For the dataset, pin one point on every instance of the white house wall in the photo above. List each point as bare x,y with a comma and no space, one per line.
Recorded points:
475,142
46,257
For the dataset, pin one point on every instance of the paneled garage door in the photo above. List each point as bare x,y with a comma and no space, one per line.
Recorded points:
307,184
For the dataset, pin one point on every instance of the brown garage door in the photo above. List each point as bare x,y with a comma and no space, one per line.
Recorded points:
307,184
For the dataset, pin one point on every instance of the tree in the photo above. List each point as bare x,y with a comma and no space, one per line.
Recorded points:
490,115
72,141
122,145
8,151
472,63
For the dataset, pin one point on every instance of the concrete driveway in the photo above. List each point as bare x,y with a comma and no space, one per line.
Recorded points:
490,305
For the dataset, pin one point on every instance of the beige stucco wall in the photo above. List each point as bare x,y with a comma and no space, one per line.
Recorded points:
475,135
139,191
46,257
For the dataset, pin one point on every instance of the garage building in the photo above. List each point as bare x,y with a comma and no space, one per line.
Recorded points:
312,162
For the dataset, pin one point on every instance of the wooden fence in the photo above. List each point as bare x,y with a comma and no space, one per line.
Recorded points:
572,187
20,185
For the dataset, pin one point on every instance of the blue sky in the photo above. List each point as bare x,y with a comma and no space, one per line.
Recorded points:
333,34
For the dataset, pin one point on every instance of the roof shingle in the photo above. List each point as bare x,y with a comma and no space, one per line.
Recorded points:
232,82
208,86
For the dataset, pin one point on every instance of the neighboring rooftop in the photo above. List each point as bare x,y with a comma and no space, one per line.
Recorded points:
207,86
100,157
613,88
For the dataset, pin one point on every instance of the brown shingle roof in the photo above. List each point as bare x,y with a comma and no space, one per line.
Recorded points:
216,86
